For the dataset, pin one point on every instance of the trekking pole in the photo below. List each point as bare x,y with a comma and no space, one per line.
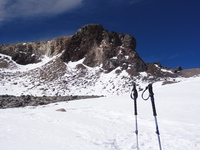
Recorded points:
151,95
134,96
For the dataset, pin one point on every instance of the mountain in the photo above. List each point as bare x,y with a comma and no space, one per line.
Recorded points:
92,42
93,61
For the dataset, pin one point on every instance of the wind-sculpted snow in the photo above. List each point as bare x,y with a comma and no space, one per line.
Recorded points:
108,123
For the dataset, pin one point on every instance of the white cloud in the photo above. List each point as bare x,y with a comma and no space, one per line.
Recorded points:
27,8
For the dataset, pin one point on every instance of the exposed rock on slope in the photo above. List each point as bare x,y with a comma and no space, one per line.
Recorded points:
9,101
33,52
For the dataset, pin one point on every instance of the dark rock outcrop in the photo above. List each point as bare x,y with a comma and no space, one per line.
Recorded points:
9,101
98,47
92,42
33,52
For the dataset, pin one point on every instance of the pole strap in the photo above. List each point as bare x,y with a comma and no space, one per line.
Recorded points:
134,93
151,95
143,94
149,87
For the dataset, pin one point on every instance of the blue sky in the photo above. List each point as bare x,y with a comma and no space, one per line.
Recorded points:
167,31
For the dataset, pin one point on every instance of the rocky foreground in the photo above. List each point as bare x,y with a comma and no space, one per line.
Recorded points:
9,101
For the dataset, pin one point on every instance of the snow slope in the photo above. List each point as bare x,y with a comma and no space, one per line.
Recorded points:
107,123
53,77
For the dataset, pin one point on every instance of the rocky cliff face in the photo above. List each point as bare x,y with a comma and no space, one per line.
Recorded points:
92,42
98,47
32,52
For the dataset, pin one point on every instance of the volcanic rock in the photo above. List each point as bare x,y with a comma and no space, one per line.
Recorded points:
98,47
33,52
92,42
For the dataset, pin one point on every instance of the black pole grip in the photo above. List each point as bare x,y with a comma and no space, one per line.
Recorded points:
150,90
135,106
153,106
151,94
134,95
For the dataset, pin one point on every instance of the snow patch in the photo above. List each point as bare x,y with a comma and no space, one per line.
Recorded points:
165,70
143,74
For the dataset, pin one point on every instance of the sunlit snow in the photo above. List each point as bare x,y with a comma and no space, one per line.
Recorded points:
108,123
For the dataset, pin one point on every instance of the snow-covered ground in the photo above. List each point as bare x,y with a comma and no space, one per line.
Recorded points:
66,80
108,123
52,77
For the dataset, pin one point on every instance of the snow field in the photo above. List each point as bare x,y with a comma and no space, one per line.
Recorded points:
108,123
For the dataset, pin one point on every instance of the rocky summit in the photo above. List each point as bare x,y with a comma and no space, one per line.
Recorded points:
92,42
99,47
92,61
